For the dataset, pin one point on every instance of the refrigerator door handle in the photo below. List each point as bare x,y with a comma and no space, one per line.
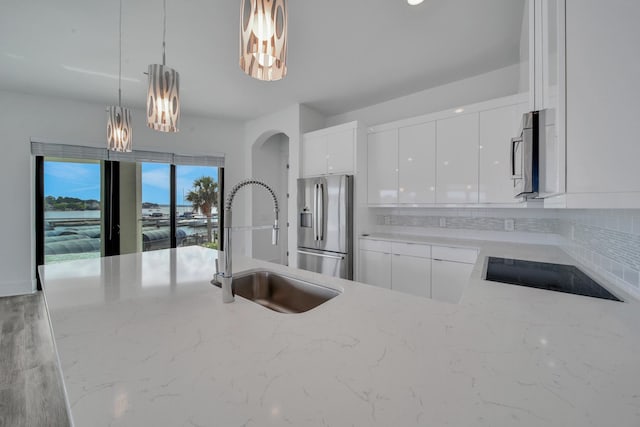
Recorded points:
315,212
320,255
321,213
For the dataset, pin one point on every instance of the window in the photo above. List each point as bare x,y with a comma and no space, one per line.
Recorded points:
92,203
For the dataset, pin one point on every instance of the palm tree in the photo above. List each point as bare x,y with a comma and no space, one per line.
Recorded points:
204,197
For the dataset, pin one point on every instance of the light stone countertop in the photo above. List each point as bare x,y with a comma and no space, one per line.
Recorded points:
144,339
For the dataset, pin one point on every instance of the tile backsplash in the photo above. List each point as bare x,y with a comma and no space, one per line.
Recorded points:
473,219
606,241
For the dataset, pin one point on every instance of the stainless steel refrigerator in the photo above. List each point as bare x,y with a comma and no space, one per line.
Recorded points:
325,225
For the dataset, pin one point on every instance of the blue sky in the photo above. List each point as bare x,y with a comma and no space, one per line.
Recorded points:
155,181
82,180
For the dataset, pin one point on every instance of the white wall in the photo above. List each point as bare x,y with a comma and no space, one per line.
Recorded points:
494,84
73,122
292,121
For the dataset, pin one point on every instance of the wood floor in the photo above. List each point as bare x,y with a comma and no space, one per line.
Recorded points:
31,393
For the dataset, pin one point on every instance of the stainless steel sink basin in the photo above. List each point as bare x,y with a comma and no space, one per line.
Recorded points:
280,293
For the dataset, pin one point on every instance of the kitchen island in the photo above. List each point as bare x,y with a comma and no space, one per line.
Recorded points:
144,339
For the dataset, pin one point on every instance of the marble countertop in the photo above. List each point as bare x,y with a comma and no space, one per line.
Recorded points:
144,339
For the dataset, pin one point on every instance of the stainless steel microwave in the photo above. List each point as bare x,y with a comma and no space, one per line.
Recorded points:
525,156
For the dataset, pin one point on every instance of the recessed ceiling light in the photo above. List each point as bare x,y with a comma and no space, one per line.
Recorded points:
414,2
459,110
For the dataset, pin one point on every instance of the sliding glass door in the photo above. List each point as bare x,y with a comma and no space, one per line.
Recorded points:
92,203
197,202
79,205
155,207
73,210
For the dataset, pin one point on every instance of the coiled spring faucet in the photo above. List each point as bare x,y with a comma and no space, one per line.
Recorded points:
225,277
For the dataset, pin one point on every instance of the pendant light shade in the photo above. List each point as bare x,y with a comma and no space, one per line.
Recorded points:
263,39
119,129
163,98
163,94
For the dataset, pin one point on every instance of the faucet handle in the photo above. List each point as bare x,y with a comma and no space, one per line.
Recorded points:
274,233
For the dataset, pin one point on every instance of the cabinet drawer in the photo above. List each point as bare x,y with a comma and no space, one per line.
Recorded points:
467,256
375,245
411,249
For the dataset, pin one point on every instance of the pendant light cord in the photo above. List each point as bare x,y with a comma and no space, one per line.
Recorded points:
164,29
120,59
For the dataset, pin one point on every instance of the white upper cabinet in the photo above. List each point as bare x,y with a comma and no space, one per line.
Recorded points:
457,159
329,151
340,152
416,164
436,159
497,127
382,167
587,82
314,155
603,66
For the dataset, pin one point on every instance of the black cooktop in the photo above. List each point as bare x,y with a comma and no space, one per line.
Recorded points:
542,275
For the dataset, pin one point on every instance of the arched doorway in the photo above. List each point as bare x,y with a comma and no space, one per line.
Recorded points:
270,163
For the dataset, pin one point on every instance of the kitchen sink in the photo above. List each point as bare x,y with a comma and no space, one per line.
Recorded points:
279,292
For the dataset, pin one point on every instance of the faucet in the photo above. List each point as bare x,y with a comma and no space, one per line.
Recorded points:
225,277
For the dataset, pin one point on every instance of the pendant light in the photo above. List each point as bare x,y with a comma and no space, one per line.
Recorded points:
163,96
263,39
119,130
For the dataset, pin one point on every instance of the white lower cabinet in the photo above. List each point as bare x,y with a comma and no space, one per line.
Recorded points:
448,279
450,271
375,268
411,275
438,272
404,267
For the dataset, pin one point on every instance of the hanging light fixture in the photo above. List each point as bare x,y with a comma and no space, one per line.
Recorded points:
163,96
263,39
119,130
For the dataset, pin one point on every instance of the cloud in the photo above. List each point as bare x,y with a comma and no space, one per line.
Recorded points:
157,178
71,171
80,180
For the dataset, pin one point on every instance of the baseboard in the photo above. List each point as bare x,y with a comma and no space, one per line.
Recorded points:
23,287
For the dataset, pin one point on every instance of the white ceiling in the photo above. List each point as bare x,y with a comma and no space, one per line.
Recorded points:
343,54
